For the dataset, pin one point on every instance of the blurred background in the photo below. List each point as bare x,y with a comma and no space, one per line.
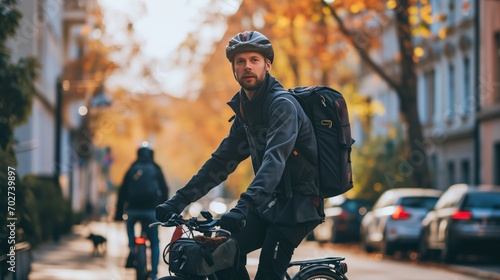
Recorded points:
84,83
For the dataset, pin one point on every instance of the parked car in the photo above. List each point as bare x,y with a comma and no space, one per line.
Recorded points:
395,220
342,219
466,219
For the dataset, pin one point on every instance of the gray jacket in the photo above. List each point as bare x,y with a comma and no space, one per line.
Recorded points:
281,137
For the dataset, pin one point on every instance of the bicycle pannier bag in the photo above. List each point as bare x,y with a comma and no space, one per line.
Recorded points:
189,257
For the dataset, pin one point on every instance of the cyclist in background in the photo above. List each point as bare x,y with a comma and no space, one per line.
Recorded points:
143,187
281,205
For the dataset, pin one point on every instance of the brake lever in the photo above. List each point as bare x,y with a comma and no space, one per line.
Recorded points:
155,224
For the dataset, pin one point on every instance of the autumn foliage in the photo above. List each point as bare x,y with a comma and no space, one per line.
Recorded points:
315,41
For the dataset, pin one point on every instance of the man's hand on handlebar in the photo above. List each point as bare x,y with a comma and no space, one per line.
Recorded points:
233,221
193,224
164,211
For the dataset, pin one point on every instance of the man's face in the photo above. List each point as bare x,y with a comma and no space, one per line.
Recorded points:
250,69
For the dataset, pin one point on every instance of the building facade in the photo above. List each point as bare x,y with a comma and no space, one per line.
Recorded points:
39,35
446,76
48,145
489,92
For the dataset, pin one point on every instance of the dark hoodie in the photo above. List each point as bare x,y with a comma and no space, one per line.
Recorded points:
125,200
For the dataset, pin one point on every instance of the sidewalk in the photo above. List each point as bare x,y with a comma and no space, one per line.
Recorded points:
72,258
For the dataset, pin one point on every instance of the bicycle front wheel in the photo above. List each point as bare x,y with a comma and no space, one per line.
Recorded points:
319,274
174,278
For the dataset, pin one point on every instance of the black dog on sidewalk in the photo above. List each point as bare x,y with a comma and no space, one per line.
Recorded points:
99,243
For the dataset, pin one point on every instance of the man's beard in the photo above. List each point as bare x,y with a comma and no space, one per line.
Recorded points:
256,86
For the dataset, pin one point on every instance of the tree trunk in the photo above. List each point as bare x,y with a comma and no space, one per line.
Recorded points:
406,89
407,93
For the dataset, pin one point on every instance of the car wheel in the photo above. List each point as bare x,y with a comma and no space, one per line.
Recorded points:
336,237
423,247
365,244
448,254
388,247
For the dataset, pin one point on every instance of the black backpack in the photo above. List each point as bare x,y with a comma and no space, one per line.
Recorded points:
144,188
327,110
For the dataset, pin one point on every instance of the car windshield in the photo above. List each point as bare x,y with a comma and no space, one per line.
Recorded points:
486,200
426,202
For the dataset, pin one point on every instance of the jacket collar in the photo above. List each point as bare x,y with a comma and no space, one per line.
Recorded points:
240,98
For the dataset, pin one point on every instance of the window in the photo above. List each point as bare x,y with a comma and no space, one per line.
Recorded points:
451,91
451,173
466,109
429,96
486,200
426,202
497,82
434,168
496,165
465,172
451,15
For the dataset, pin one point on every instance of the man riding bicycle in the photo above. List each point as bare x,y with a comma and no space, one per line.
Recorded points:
143,187
282,204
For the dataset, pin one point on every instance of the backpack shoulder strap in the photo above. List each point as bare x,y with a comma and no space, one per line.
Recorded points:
268,101
266,113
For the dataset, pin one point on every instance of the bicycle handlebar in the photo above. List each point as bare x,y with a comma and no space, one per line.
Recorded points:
193,224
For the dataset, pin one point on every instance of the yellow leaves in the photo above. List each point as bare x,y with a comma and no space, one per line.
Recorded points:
413,10
326,11
349,88
391,4
316,18
283,22
418,51
442,33
413,19
357,7
299,21
426,14
421,30
377,108
393,132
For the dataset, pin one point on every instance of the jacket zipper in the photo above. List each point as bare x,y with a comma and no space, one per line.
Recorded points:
251,141
270,204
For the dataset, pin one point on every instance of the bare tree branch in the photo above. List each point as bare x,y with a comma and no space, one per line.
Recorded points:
364,55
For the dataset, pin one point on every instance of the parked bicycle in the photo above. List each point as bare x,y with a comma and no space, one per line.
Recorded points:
189,257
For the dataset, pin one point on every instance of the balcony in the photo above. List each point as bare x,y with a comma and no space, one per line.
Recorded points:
76,11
